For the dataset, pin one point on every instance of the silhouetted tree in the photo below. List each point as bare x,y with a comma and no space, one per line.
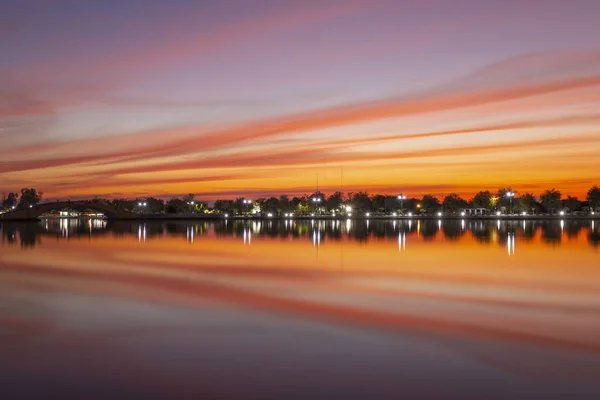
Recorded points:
285,205
551,199
177,206
361,202
482,199
525,202
334,201
378,202
391,203
225,206
124,204
272,205
453,202
200,206
261,203
300,204
430,203
572,203
99,200
154,205
188,198
10,201
29,197
593,197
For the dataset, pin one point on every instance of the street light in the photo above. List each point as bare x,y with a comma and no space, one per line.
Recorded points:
401,197
368,214
317,201
562,213
510,195
248,202
439,214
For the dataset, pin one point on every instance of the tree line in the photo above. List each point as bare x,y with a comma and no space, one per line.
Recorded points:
505,199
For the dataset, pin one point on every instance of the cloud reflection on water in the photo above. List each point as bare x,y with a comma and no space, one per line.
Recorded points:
519,319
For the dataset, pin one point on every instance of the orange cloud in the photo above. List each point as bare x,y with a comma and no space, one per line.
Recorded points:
119,154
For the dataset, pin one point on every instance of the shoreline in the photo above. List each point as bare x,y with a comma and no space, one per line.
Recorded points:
325,218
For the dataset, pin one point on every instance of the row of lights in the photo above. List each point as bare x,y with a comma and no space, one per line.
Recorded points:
401,197
348,209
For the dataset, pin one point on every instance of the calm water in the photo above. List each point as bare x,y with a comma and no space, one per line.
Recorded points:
450,309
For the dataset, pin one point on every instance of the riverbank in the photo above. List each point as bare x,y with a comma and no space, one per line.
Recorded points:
185,217
342,218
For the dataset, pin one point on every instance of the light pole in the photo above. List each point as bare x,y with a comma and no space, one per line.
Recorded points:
401,197
510,194
247,202
191,204
317,201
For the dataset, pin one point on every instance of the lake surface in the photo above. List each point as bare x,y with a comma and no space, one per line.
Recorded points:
307,310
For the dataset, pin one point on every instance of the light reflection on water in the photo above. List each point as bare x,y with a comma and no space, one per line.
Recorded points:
550,232
322,308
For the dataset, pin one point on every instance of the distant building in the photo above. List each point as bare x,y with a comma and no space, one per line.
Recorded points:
474,211
67,214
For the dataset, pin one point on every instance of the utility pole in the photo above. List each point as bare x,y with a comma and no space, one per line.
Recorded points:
317,182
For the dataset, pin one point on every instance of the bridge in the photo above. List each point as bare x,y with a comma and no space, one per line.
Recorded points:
32,213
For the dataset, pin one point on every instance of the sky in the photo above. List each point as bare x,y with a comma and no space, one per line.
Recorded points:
233,98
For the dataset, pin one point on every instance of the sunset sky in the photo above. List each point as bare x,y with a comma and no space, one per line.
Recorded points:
230,97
